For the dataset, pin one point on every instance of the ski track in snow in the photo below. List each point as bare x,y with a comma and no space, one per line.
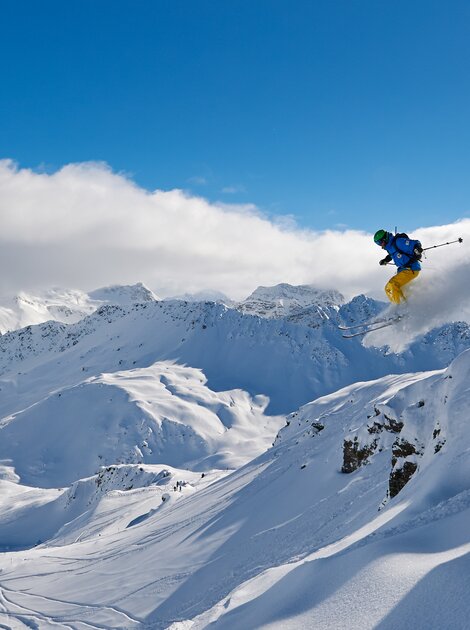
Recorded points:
28,604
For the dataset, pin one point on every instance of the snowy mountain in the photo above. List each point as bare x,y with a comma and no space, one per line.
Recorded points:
295,538
60,305
123,294
136,444
204,296
298,304
159,414
65,305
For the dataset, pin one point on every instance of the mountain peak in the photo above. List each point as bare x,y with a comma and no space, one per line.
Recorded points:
67,306
291,301
204,296
305,293
124,294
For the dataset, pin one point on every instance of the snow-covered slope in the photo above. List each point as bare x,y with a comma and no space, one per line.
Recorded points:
65,305
160,414
295,538
114,498
404,462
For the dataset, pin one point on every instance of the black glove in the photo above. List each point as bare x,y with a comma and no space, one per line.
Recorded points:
385,260
418,252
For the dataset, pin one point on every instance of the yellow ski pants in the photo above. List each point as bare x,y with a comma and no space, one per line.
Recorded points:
394,286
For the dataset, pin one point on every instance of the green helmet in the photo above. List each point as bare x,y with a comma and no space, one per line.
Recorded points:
381,236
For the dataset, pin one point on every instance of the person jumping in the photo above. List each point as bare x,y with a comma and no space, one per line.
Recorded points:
406,254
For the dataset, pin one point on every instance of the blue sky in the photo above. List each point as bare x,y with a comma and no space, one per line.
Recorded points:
349,112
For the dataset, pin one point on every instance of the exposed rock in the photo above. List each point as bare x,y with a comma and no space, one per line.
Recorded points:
440,441
403,468
399,477
355,456
404,451
402,448
376,427
393,425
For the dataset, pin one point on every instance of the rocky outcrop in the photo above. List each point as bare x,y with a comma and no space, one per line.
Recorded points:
404,465
355,455
384,432
399,477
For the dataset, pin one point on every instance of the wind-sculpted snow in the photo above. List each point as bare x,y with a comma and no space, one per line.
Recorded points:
161,414
288,540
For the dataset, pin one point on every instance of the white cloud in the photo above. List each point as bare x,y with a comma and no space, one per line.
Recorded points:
85,226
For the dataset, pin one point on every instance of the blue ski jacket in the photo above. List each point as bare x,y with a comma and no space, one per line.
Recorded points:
400,249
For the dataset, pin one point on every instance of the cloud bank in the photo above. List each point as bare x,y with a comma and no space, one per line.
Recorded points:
85,226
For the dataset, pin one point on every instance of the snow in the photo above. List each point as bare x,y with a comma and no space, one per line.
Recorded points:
204,296
290,363
294,303
65,305
163,413
156,470
122,295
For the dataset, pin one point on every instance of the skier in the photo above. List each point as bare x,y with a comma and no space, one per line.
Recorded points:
406,254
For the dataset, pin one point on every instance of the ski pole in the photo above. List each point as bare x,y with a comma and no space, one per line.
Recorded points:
459,240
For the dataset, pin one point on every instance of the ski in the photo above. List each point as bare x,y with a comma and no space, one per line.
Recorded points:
381,325
368,323
377,320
